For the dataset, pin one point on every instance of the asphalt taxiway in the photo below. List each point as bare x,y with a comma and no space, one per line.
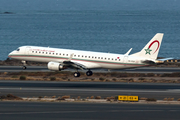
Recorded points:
86,111
88,89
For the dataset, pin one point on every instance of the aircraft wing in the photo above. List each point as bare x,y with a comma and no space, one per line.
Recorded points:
79,64
74,65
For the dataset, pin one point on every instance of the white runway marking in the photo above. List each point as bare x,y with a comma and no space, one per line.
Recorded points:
58,112
93,90
46,112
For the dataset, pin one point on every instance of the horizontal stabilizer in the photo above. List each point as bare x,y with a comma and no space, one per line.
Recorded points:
164,59
157,61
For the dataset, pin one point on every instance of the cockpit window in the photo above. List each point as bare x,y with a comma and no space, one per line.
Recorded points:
18,49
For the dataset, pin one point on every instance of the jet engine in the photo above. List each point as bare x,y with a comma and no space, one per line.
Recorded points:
55,66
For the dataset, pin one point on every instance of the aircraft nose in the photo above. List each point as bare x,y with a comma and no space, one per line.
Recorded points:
10,54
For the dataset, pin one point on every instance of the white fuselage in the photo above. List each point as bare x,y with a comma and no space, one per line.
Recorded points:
87,58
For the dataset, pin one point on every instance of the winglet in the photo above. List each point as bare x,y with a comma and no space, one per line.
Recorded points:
69,59
128,52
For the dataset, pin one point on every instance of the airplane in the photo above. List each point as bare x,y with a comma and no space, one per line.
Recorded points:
60,59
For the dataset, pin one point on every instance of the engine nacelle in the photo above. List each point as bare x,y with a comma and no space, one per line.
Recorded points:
55,66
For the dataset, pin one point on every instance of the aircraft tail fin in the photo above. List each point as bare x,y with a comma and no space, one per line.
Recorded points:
151,49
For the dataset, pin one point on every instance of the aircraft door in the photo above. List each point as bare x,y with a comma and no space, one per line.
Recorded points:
27,50
125,60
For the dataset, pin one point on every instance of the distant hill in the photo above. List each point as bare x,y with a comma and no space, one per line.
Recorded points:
7,13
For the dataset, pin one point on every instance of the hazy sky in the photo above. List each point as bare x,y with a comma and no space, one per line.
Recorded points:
6,5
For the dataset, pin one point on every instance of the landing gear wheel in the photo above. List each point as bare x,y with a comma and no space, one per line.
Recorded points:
89,73
76,74
24,67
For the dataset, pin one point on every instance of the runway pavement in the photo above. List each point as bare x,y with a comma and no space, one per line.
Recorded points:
88,89
135,70
86,111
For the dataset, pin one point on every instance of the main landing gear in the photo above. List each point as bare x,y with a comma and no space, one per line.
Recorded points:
77,74
88,73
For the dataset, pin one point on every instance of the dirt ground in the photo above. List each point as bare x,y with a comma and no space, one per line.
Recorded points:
96,77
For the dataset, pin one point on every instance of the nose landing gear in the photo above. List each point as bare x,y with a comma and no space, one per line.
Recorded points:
24,65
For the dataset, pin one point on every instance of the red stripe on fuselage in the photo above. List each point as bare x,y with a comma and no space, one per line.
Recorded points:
80,60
